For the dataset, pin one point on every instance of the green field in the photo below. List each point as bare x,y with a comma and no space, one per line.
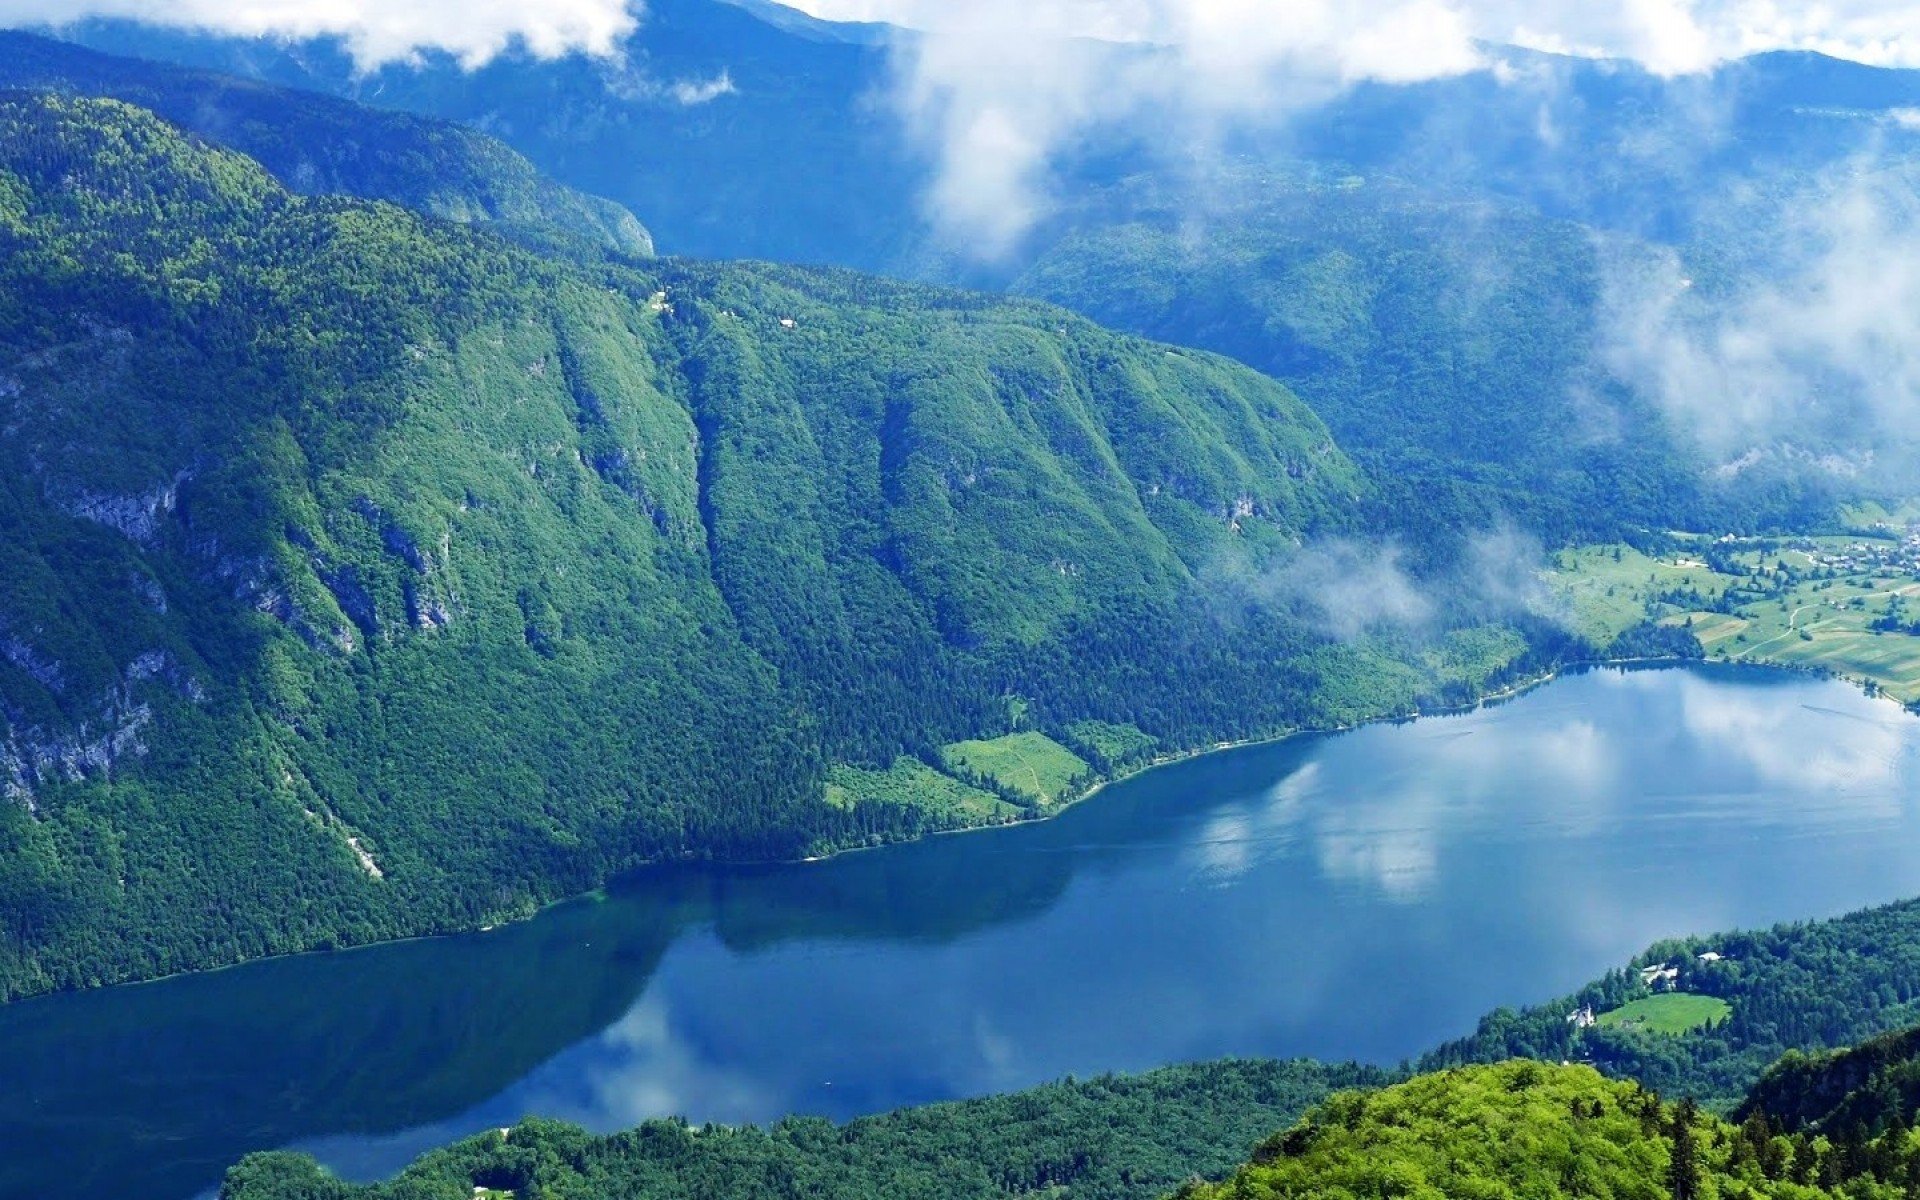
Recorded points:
1670,1013
1829,629
910,783
1607,588
1032,764
1785,606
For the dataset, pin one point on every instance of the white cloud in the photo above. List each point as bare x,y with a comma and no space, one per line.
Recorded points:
701,91
1820,352
1342,587
995,89
375,31
1665,36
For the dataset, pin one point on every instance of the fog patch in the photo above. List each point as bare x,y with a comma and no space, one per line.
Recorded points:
1812,356
998,92
1347,588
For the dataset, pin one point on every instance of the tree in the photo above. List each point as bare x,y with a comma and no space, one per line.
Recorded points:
1683,1166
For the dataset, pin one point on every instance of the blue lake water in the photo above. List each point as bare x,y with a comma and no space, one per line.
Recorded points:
1363,895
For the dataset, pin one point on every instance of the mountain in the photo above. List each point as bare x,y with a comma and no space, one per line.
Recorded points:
1450,272
367,575
1874,1086
738,131
803,125
314,144
1452,344
1526,1129
1608,144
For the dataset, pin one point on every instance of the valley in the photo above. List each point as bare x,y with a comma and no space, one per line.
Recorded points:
1390,531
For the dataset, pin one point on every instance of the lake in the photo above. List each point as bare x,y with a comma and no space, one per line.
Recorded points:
1361,895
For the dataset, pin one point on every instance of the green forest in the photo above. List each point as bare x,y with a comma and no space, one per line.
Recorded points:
309,498
392,544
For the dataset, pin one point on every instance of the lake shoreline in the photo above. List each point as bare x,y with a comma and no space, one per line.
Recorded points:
1510,692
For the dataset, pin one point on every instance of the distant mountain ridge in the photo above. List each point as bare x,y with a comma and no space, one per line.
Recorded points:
315,145
756,131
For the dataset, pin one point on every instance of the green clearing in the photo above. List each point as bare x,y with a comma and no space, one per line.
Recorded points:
910,783
1031,764
1671,1013
1608,588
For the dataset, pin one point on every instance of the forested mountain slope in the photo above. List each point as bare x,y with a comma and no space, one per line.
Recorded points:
315,144
1453,344
733,133
1099,1139
365,575
1868,1088
1517,1128
1426,264
1526,1129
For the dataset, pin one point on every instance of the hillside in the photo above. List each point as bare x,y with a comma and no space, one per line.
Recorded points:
315,144
734,133
1524,1129
308,500
1101,1139
1452,344
1872,1087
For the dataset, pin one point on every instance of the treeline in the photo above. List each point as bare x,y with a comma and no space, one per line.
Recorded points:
315,145
1103,1139
1526,1129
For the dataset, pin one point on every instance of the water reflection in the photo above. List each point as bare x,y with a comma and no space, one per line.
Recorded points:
1365,895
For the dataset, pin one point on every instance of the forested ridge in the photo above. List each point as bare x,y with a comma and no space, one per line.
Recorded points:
367,575
1806,986
1435,275
318,145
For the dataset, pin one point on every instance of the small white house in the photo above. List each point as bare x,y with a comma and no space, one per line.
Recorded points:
1663,975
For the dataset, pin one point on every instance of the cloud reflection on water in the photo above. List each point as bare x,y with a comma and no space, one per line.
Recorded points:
1366,894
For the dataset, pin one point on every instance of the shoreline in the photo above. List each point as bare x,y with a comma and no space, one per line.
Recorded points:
1510,692
1175,758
